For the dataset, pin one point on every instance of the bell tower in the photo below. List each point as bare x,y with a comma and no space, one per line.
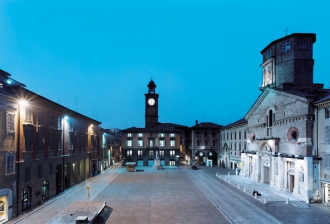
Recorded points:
151,111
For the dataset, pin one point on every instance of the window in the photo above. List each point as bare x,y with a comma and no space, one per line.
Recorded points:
10,122
140,135
172,143
240,135
151,152
270,118
28,115
161,143
140,153
151,143
129,152
50,169
40,140
39,171
172,163
129,135
51,140
10,163
327,113
303,44
172,153
214,143
40,118
172,135
59,140
227,136
285,46
269,53
161,135
27,174
231,136
198,143
28,139
239,147
139,143
235,135
129,143
327,160
244,134
51,120
59,123
161,153
206,142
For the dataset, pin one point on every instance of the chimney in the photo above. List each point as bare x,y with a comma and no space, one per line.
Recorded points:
196,122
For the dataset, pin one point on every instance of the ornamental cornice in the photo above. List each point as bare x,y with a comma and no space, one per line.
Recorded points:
323,104
301,118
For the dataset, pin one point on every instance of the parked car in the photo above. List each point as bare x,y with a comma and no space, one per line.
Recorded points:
194,167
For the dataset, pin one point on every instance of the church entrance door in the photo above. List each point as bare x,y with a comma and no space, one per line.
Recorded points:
291,182
266,175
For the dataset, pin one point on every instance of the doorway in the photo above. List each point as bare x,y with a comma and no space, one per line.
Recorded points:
291,182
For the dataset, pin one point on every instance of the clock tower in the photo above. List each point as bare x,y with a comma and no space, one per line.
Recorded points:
151,114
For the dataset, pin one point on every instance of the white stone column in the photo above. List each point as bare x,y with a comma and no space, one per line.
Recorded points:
258,174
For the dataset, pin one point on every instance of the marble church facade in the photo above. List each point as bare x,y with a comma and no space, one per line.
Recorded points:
281,140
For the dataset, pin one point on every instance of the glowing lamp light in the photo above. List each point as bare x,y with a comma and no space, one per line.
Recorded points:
22,102
9,81
66,117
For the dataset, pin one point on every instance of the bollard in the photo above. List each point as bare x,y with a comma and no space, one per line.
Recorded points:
265,200
225,179
287,201
220,176
216,174
244,189
255,195
228,174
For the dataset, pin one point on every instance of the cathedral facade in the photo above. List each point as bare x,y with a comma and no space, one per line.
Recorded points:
281,142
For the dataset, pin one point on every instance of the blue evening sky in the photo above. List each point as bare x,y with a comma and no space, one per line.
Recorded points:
204,56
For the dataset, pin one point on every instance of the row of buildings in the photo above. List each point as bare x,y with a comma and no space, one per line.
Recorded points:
45,148
283,140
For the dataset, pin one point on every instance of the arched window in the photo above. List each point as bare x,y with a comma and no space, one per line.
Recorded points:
270,118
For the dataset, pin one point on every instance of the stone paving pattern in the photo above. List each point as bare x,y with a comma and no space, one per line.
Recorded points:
179,195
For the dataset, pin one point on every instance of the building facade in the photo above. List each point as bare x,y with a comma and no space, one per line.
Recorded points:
8,147
233,142
141,145
205,143
322,136
281,149
45,148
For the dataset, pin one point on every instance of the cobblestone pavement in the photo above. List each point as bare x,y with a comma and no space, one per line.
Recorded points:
277,207
237,209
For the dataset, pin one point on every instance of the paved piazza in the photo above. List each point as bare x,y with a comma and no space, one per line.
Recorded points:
180,195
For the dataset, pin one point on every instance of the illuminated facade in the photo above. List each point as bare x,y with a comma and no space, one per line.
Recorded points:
141,145
281,147
205,143
233,142
45,148
322,136
8,147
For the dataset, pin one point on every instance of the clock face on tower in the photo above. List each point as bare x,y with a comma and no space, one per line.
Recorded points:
151,102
